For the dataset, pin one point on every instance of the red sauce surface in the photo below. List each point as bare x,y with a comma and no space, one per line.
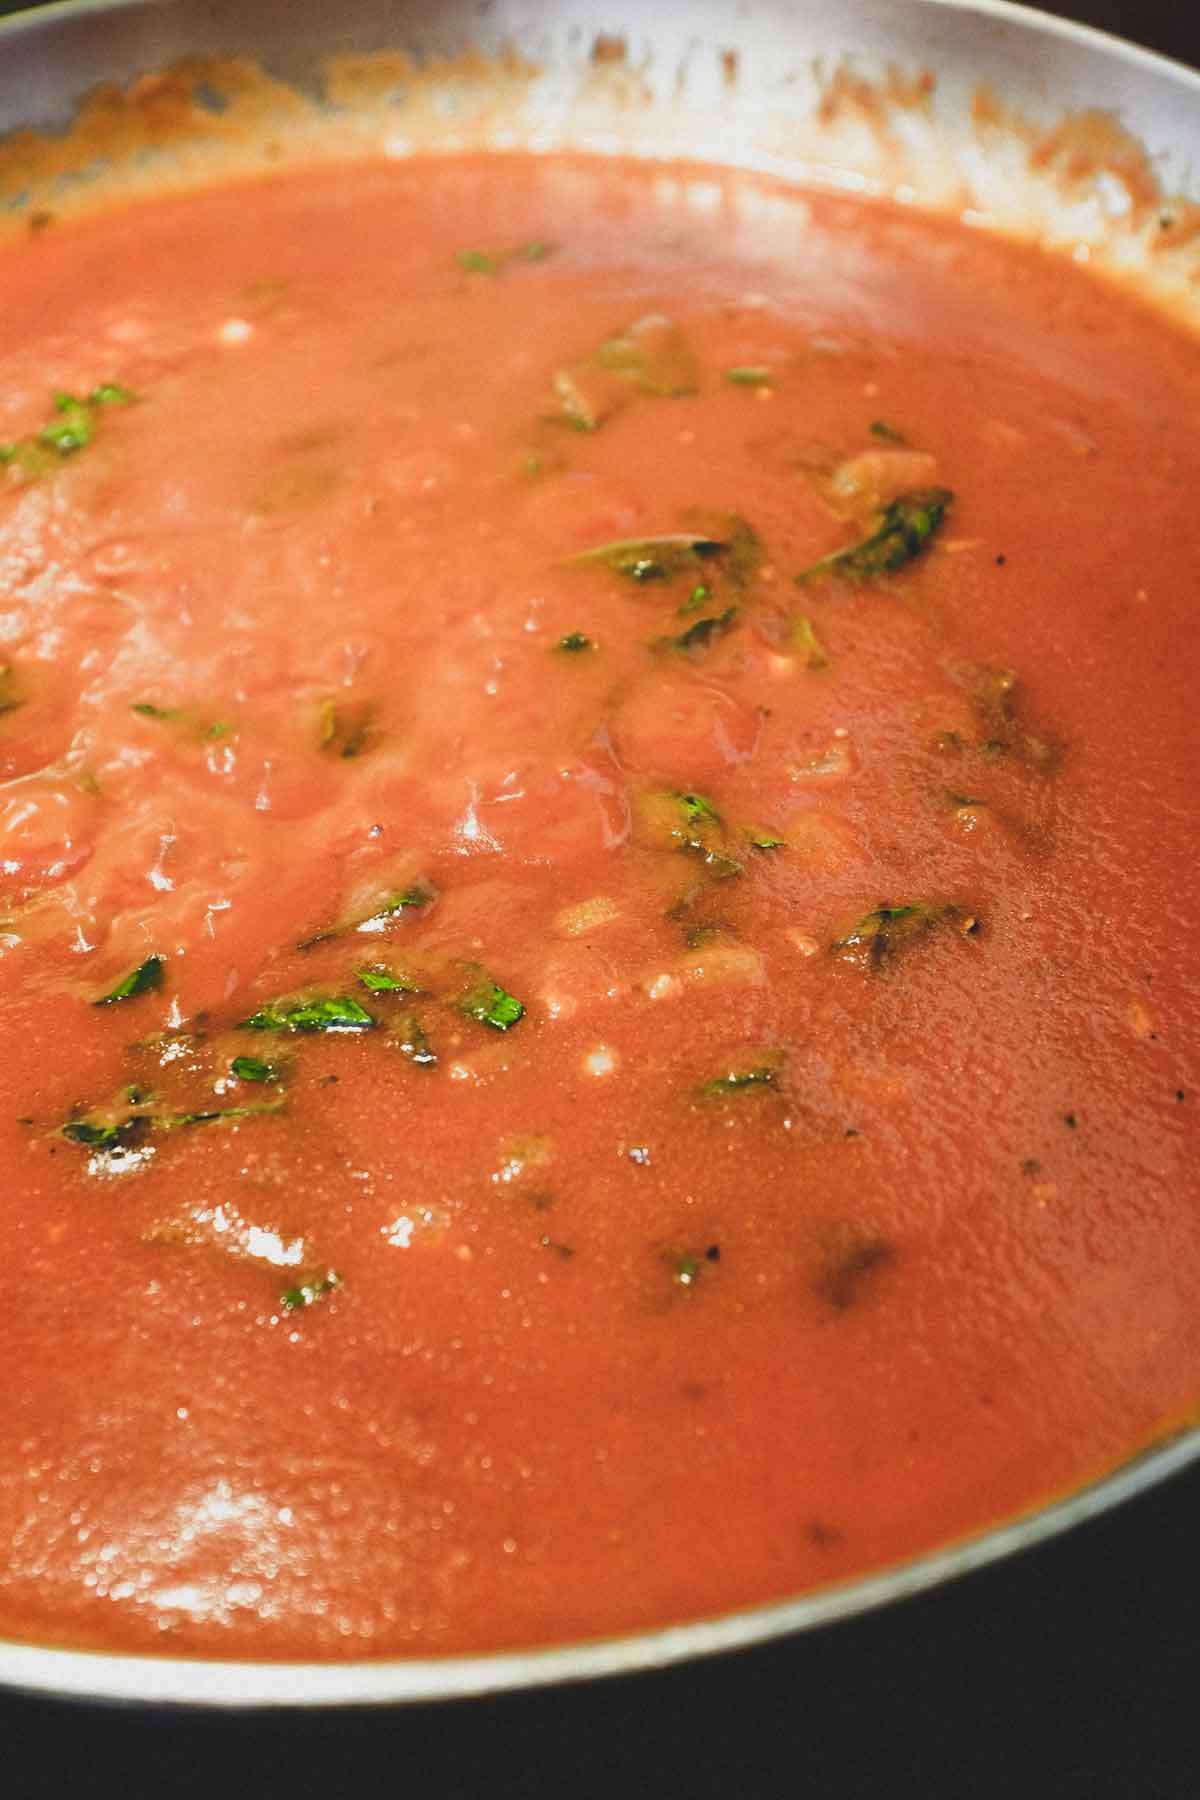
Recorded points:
836,1192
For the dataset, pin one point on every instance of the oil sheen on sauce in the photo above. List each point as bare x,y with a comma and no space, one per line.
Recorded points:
630,1084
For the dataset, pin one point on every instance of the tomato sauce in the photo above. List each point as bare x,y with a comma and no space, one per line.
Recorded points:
599,790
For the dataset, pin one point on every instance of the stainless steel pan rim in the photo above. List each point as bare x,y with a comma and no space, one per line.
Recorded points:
93,53
91,1675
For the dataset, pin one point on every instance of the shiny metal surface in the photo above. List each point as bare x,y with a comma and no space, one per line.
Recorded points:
1046,67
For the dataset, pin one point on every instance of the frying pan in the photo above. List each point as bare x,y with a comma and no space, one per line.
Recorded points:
836,95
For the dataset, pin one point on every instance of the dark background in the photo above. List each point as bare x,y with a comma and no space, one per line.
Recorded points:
1071,1673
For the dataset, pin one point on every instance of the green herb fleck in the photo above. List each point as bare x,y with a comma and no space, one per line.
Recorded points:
217,1116
320,1013
903,531
688,1267
310,1290
146,710
749,376
688,821
993,694
345,731
409,899
654,356
414,1043
881,429
700,635
111,393
738,1081
403,900
696,807
763,840
125,1125
651,357
252,1068
807,645
653,558
383,981
889,928
574,643
101,1137
493,262
72,430
491,1004
69,431
142,980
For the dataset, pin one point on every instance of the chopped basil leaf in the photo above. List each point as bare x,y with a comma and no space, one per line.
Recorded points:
575,642
764,841
582,408
110,393
320,1013
491,1004
100,1137
903,531
414,1044
99,1133
654,356
651,357
807,644
878,934
252,1068
403,900
310,1290
345,731
725,552
492,262
993,694
652,558
408,899
169,1121
383,981
33,458
142,980
745,556
70,430
748,376
737,1081
689,822
701,635
181,715
689,1266
696,807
